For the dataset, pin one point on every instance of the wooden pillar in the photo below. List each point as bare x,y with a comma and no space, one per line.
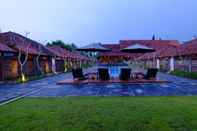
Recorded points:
36,70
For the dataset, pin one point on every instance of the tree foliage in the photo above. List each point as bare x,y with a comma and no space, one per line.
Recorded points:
68,46
153,37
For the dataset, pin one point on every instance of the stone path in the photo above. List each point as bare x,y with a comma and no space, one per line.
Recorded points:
48,88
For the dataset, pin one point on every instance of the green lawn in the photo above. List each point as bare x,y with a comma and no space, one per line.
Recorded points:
100,113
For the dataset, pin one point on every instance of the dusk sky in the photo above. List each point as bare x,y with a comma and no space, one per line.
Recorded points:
108,21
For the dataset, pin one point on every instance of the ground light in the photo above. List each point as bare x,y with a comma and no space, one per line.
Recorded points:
65,66
23,78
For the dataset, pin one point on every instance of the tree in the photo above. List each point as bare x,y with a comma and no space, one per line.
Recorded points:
22,56
153,37
22,59
73,46
37,59
70,47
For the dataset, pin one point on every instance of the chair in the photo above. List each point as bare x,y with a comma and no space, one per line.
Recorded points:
151,73
103,74
125,74
78,74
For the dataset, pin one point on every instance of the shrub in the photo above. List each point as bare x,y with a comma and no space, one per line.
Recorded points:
192,75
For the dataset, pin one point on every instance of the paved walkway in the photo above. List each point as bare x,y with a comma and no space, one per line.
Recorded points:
9,91
47,87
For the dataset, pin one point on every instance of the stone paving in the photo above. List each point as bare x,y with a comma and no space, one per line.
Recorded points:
47,87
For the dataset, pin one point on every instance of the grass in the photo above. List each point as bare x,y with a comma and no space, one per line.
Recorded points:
100,113
192,75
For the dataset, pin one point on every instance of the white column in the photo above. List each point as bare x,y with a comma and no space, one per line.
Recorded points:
53,66
172,64
190,64
158,63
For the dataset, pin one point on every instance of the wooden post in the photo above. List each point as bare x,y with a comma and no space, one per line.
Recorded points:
35,68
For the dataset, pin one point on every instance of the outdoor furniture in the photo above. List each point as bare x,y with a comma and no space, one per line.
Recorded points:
103,74
151,73
125,74
78,74
138,75
92,76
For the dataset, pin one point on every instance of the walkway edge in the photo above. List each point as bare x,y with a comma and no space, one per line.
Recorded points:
19,97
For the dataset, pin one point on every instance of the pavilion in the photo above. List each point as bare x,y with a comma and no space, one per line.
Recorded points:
169,55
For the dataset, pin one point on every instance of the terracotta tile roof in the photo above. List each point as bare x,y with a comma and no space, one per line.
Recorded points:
64,54
164,48
188,48
113,47
162,53
60,52
19,42
77,55
5,48
115,51
159,45
156,44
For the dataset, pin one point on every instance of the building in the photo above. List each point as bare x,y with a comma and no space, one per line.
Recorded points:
182,58
31,57
21,56
59,57
170,55
65,60
8,63
115,55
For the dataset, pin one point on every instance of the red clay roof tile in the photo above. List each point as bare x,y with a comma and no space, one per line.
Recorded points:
159,45
19,42
5,48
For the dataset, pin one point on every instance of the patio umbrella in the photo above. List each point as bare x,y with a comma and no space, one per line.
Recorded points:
137,48
95,47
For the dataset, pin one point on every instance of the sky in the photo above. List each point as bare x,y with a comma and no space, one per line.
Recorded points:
107,21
